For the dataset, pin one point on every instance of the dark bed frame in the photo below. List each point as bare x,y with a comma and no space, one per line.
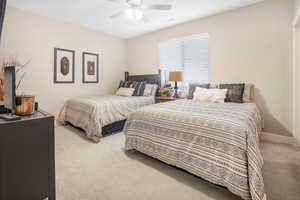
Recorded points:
149,78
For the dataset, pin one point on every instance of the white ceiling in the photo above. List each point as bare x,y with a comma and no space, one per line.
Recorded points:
95,14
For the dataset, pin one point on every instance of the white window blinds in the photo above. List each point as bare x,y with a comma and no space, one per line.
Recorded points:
189,55
171,55
195,60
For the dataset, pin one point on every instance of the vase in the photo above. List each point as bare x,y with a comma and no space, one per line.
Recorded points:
25,105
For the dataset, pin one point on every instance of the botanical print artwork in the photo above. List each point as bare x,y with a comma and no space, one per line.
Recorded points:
90,67
19,70
64,66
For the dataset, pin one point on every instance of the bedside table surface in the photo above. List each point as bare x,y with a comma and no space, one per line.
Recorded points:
167,98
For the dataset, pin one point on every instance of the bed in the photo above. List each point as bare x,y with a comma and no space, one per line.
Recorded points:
104,114
218,142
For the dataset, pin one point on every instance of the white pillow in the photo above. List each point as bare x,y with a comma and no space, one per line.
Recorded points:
150,90
248,90
210,95
127,92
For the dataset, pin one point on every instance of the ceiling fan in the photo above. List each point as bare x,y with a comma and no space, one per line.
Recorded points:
135,9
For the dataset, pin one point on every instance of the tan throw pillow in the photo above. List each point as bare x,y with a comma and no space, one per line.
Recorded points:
150,90
127,92
248,92
154,90
210,95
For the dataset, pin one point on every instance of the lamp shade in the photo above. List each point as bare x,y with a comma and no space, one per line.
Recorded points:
175,76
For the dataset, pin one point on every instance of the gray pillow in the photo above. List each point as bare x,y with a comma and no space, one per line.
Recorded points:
235,92
125,84
192,88
139,88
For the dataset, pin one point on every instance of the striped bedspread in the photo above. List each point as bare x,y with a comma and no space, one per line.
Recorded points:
91,113
218,142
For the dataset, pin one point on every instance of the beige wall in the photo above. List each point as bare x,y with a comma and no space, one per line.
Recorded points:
34,37
296,6
296,84
296,70
251,44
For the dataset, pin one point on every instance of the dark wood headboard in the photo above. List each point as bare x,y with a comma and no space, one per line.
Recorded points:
149,78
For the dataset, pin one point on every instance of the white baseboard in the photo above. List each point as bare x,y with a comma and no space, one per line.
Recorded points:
270,137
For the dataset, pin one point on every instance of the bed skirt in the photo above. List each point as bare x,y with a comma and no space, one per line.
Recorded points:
108,129
114,127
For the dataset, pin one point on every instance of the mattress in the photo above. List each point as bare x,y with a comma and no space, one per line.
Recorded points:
216,141
91,113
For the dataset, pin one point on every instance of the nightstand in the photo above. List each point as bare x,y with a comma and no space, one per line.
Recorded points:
165,99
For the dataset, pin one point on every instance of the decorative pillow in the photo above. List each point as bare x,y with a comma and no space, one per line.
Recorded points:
235,92
125,84
121,84
127,92
150,90
139,88
154,90
210,95
213,86
248,92
192,88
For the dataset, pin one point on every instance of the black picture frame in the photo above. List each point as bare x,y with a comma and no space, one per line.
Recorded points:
84,67
55,65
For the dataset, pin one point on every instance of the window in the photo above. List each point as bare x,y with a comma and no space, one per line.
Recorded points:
189,55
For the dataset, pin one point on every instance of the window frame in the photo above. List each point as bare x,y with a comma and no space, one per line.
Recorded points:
182,39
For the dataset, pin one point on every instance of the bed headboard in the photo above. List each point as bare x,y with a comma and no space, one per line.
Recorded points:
149,78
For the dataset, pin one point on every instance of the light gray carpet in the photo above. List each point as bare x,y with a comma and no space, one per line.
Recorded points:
88,171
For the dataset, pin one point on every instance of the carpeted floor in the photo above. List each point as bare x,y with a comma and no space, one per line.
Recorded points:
88,171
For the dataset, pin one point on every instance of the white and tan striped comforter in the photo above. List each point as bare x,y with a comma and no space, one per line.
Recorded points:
218,142
91,113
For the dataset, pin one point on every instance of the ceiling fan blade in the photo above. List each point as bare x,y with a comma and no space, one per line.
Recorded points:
160,7
118,14
114,1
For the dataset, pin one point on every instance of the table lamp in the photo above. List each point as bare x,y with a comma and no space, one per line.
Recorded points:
175,77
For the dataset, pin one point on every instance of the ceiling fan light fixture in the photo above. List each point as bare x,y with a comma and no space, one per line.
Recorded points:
134,14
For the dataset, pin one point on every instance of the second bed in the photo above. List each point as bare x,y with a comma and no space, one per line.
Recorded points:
216,141
101,114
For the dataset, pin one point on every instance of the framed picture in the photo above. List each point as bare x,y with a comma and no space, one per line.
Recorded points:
90,67
64,66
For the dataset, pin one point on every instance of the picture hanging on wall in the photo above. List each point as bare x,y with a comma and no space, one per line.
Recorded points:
90,67
64,66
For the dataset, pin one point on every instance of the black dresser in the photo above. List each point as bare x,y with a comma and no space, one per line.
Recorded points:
27,164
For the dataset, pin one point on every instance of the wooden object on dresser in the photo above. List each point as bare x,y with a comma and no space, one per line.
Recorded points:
27,166
165,99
